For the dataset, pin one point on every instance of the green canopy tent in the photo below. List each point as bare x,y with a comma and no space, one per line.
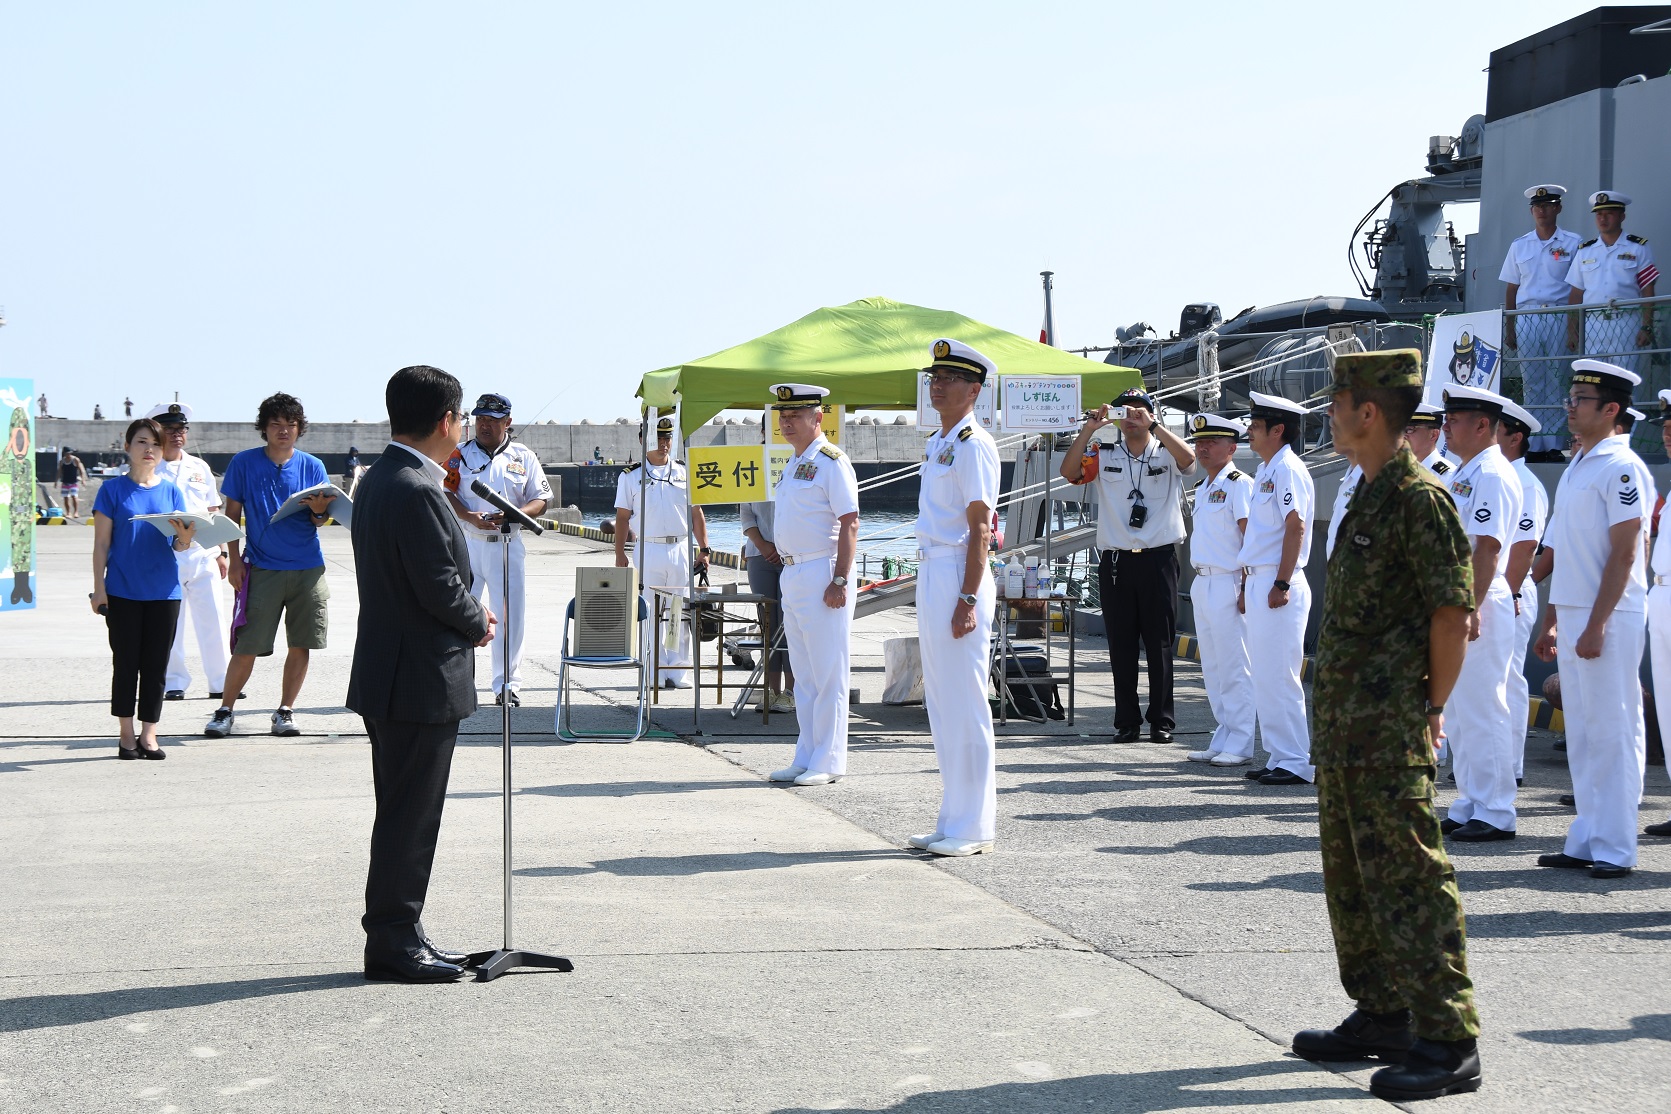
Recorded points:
869,354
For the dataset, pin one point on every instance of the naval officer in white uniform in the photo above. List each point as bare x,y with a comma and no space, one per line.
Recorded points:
816,532
1275,595
1517,428
1613,266
201,570
666,524
1597,537
1482,739
955,600
1659,610
1342,499
512,470
1222,502
1535,273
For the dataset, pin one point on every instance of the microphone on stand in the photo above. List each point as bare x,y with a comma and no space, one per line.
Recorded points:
511,512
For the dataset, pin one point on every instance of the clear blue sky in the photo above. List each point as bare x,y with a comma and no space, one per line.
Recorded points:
551,199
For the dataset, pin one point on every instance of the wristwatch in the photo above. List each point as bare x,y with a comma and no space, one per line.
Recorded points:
1152,424
705,551
839,581
967,597
1282,584
1434,710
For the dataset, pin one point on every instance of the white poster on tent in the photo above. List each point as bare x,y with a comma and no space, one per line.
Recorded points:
1038,404
1467,351
986,408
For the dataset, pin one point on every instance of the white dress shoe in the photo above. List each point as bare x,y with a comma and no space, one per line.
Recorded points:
1229,759
1201,755
924,841
788,773
957,848
816,777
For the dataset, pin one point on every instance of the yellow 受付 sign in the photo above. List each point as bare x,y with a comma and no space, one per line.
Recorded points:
729,474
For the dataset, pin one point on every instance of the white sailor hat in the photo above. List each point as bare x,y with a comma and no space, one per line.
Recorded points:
954,355
1546,192
1275,407
1215,425
1664,409
1459,399
1635,414
1427,414
1608,199
793,396
1603,374
170,413
1520,420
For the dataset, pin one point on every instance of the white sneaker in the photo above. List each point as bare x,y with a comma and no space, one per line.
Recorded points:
924,841
783,702
816,777
1201,755
220,726
788,773
958,848
1224,759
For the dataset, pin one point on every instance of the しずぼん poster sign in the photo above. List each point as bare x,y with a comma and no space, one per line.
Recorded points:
17,496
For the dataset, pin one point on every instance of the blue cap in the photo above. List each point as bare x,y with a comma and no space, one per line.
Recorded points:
492,405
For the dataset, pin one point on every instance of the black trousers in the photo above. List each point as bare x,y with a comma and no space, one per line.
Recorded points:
1139,594
410,763
141,635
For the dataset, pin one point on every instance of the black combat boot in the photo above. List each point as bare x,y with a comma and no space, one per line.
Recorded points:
1430,1070
1362,1036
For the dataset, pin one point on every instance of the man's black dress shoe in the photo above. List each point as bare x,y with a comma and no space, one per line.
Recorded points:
174,694
1565,861
1431,1069
457,959
1279,776
1162,735
220,695
1658,829
1519,782
1569,800
507,694
1256,773
1478,831
1608,870
409,965
1447,826
1128,734
1561,745
1362,1036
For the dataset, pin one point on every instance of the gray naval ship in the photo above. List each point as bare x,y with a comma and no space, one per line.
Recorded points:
1585,103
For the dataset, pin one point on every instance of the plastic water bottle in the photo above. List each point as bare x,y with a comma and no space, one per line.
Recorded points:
1030,579
1015,579
1045,584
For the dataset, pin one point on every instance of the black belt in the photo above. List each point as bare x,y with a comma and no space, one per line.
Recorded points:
1151,549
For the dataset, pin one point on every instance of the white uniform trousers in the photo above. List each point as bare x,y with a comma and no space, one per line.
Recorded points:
1542,346
819,646
1225,669
956,675
1276,651
1520,697
666,566
1659,631
1477,722
486,562
1607,740
200,595
1610,334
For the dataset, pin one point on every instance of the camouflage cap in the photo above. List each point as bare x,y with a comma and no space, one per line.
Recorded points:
1366,371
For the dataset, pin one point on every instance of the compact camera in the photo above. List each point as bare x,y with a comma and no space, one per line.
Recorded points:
1115,414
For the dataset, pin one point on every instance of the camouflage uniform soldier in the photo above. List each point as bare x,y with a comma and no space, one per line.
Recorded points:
1395,622
20,466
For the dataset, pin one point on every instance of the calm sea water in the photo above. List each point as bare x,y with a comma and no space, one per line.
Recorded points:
881,533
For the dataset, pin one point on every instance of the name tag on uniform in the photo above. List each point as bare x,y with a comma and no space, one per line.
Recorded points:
1267,487
1112,468
1462,488
806,470
947,455
1217,496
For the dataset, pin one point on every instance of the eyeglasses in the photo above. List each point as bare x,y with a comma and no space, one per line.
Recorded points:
1573,402
939,379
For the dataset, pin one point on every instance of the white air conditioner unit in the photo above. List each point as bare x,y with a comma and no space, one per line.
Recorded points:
605,612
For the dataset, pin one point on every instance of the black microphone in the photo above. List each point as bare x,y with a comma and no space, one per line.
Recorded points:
512,513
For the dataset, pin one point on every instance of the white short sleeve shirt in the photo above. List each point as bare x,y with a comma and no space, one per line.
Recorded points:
1153,479
196,482
818,487
1534,508
1602,273
1221,505
1600,489
1538,268
1487,496
960,468
1280,487
664,484
513,470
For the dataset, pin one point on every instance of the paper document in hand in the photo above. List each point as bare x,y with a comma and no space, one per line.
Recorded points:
213,530
341,509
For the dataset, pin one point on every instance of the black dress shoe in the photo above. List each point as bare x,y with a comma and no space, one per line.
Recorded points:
457,959
221,695
1478,831
1519,782
1608,870
1362,1036
1447,826
1256,773
155,754
126,754
174,694
409,965
1564,861
1561,745
1128,734
1658,829
1431,1069
1279,776
1162,735
1569,800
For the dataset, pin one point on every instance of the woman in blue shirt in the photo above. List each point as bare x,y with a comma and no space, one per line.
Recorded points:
136,585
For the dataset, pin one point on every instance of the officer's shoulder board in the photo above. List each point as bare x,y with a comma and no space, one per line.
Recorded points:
965,433
1234,475
632,467
1636,239
830,451
1590,241
1440,467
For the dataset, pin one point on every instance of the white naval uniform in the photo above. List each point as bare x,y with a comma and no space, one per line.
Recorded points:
199,581
960,468
1276,636
1342,499
515,472
1538,269
1221,505
1534,512
664,532
1601,697
817,488
1486,492
1601,274
1659,634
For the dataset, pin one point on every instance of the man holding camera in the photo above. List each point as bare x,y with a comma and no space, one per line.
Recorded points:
1139,482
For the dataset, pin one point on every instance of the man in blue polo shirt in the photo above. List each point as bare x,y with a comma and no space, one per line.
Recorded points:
279,567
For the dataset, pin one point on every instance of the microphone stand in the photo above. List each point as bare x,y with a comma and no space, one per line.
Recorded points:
490,965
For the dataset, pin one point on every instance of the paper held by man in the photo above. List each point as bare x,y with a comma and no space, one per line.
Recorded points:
341,509
213,529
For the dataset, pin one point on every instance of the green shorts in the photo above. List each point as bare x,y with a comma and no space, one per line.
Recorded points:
300,594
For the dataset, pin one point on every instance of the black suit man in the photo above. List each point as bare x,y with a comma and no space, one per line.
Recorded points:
414,673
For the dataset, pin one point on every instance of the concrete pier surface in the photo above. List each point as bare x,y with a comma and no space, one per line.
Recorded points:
183,935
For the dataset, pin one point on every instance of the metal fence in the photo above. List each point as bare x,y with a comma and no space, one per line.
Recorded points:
1539,346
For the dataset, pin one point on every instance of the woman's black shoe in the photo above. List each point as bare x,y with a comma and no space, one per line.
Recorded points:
126,754
155,754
